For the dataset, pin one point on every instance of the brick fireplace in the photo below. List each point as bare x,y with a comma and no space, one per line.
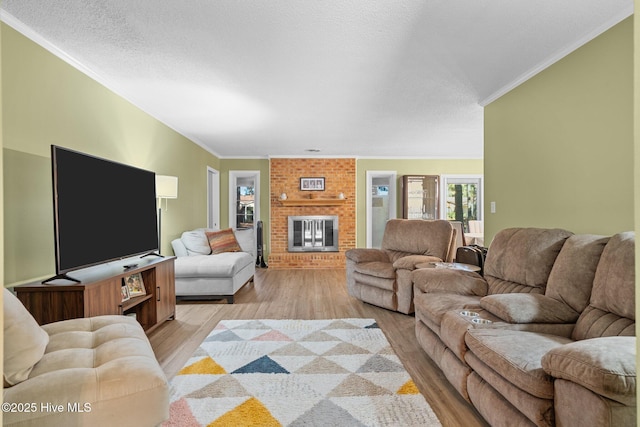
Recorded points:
339,177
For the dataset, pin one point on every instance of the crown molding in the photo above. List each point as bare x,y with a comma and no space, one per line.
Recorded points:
623,14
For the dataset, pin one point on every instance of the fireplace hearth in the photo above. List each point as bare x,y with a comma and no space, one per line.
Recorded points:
313,233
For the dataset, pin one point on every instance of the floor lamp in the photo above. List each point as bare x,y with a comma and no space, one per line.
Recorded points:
166,188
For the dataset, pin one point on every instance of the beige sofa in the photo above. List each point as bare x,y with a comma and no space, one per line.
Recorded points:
98,371
383,276
201,275
559,353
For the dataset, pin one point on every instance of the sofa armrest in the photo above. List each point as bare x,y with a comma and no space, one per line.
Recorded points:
440,280
359,255
606,366
179,249
528,308
409,262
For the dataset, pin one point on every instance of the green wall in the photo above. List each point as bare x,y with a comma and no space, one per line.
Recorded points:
46,101
559,147
404,167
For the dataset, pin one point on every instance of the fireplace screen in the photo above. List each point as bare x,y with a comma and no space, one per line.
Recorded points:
313,233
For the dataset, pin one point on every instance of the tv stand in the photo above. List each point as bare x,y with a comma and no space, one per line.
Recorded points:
60,277
98,292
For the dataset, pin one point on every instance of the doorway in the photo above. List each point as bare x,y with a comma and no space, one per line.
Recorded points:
244,199
381,204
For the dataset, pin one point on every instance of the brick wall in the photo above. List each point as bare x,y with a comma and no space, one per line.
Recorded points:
340,177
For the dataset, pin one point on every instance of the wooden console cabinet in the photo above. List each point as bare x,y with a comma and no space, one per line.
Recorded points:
100,294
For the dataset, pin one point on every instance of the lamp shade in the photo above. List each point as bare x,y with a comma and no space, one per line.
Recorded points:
166,187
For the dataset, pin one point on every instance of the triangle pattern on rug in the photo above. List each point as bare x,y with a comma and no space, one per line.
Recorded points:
227,335
355,385
227,386
250,413
340,324
320,365
346,348
327,410
263,365
294,349
408,388
380,364
272,336
202,367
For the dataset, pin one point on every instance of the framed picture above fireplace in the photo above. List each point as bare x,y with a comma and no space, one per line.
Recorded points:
312,184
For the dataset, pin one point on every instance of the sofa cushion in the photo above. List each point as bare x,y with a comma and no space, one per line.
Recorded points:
529,308
246,239
433,307
516,356
606,366
25,341
520,259
441,280
226,264
196,242
417,237
222,241
611,310
571,278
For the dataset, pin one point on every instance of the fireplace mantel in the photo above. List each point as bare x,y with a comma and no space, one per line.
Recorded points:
312,202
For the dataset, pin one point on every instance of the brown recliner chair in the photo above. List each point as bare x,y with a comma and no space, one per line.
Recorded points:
382,276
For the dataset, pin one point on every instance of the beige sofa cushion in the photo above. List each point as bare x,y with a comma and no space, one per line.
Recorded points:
611,310
404,237
571,278
528,308
606,366
25,341
515,356
521,259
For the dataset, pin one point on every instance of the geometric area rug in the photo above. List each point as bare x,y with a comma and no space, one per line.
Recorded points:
336,372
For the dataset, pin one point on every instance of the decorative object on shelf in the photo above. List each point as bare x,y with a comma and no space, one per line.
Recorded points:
124,290
135,284
283,196
341,196
166,188
312,184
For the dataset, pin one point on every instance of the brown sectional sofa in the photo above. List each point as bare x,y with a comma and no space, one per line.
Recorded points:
546,337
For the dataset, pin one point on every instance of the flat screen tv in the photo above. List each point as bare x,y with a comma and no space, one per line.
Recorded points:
103,211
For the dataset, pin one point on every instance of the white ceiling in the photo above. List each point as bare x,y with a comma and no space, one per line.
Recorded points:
368,78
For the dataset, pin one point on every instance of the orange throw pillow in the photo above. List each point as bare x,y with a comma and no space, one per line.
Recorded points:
223,241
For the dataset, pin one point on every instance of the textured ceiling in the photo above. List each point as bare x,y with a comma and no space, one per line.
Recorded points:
370,78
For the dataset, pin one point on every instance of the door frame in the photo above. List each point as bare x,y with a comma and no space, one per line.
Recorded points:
393,213
213,198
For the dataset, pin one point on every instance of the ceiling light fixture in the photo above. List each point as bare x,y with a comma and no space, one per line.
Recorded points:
312,150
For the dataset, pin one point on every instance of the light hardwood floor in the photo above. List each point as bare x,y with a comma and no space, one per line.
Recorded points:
310,294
